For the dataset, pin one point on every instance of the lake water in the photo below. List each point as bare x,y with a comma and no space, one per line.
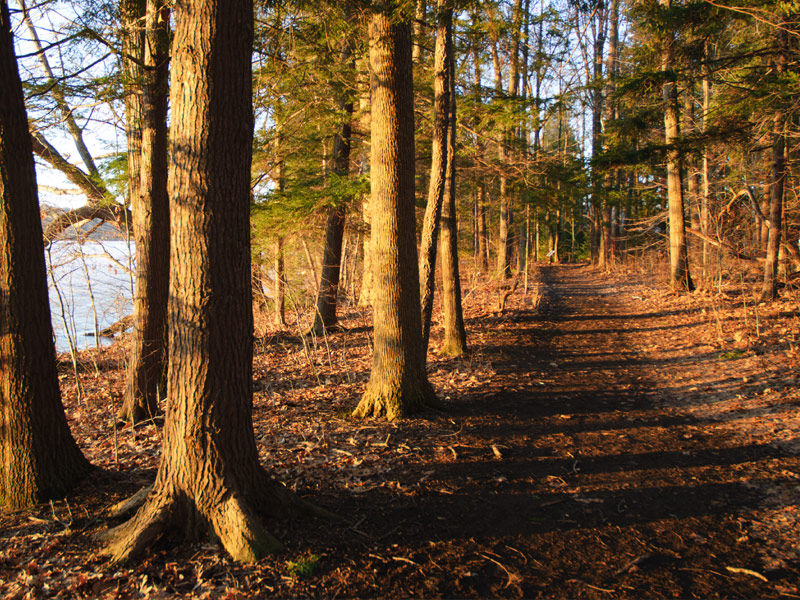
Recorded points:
90,287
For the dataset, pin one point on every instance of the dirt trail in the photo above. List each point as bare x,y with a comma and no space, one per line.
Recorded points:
584,471
598,442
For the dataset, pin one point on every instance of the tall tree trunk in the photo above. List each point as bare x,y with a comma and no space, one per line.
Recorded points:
420,11
398,384
598,196
150,226
455,334
704,210
692,195
365,290
279,292
610,110
132,17
506,242
480,216
38,457
439,161
503,243
210,479
769,289
483,232
680,278
325,317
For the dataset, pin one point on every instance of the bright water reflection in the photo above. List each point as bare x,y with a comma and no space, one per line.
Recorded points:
90,286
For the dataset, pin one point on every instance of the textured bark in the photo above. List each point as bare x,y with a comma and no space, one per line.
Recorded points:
132,21
433,211
506,241
680,278
280,285
483,233
150,204
480,221
599,220
325,317
704,212
419,22
38,456
210,479
398,384
769,290
455,334
279,294
364,125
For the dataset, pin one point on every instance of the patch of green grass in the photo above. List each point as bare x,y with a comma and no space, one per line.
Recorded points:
303,567
731,355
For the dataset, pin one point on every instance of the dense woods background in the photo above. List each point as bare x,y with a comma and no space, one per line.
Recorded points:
560,119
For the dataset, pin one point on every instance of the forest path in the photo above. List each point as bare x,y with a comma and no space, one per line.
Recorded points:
582,467
603,439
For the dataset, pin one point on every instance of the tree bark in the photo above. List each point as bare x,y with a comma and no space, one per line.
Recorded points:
483,233
455,334
769,290
420,11
481,209
680,278
599,213
280,285
325,316
150,203
132,18
39,459
439,157
210,479
704,209
506,241
398,384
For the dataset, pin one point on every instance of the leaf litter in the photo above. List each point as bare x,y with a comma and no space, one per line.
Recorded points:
602,436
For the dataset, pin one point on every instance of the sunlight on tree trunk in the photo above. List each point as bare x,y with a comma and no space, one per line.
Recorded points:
210,479
39,459
150,204
398,384
439,157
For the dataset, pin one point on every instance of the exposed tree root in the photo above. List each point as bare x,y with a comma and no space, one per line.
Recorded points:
240,532
233,520
452,348
136,412
132,538
396,401
132,504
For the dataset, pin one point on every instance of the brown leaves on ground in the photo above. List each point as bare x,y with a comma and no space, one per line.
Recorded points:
603,439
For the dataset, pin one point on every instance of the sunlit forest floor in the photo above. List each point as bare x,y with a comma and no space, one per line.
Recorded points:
603,439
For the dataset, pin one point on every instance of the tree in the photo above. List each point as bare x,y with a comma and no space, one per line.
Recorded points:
769,290
325,317
443,53
210,478
99,202
455,334
680,279
39,459
147,167
398,384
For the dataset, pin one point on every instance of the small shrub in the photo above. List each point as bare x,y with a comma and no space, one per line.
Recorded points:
731,355
303,567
